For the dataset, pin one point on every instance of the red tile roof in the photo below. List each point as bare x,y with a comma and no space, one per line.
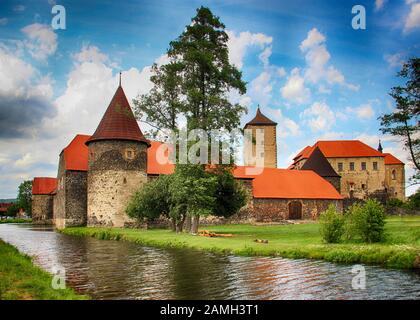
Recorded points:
76,154
289,184
44,185
390,159
340,149
118,122
261,120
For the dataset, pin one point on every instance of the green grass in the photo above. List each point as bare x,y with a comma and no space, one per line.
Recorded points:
15,220
21,280
398,250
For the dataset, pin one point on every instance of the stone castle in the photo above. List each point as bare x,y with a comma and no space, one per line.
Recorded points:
98,174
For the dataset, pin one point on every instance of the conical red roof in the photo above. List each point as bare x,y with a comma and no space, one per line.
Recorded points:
118,122
261,120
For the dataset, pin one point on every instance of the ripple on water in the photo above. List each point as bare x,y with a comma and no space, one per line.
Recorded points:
122,270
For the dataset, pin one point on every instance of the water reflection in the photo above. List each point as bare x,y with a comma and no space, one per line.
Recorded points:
122,270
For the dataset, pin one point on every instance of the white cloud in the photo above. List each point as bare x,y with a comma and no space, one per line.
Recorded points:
238,44
260,88
379,4
364,111
265,55
3,21
413,19
281,72
394,60
314,38
294,90
42,40
319,116
317,58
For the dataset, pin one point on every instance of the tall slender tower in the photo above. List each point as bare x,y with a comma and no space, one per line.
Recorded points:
268,126
117,164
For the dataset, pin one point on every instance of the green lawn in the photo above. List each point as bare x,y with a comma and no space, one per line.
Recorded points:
21,280
398,250
15,220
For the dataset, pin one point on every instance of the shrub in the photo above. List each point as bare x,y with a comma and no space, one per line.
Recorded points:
394,203
366,221
332,225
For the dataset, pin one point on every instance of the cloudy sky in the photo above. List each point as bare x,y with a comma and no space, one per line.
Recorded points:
305,65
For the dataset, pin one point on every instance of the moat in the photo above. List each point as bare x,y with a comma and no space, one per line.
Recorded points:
123,270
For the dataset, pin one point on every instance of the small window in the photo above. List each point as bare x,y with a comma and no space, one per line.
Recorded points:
129,154
394,175
375,166
351,166
363,186
340,166
363,165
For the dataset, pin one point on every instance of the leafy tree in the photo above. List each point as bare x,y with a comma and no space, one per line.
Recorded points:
207,75
163,104
366,221
192,194
151,201
331,225
230,193
24,198
403,122
13,210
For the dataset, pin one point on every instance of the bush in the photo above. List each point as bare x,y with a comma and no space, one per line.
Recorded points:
395,203
332,225
366,221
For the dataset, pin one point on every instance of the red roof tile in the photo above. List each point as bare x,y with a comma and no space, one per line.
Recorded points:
261,120
390,159
44,185
118,122
76,154
340,149
289,184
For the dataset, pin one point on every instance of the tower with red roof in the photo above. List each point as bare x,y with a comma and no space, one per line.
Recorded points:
117,164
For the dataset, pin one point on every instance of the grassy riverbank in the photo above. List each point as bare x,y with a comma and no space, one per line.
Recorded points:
15,220
399,249
21,280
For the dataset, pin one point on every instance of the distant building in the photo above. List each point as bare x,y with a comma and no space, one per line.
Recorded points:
4,206
43,191
364,171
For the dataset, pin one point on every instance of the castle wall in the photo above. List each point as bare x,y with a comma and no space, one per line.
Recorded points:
270,146
117,169
70,203
395,183
360,183
42,208
271,210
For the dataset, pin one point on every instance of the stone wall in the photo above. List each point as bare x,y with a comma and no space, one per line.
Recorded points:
395,181
271,210
117,169
335,181
42,208
70,203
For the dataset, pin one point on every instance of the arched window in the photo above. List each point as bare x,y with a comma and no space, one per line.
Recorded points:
394,175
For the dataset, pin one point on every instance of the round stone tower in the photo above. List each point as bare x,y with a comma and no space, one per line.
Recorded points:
268,127
117,164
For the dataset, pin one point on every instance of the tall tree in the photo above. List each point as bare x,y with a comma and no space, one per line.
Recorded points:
207,75
403,122
161,107
24,198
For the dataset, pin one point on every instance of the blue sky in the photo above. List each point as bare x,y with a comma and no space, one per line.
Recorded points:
305,66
